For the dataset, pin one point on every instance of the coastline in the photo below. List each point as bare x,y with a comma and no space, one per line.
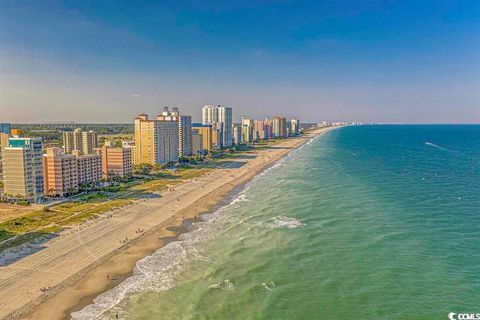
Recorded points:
79,286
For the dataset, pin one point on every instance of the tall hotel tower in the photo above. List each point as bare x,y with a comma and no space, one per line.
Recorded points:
219,115
23,168
81,141
156,141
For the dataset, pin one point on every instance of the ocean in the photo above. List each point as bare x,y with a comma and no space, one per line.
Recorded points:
363,222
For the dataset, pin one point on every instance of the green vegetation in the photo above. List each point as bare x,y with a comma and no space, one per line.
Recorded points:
96,200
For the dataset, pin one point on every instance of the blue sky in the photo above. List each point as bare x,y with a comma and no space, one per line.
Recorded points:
99,61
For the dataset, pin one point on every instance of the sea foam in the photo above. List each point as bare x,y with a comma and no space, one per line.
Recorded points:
158,271
283,222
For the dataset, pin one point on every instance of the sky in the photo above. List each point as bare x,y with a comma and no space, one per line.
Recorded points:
99,61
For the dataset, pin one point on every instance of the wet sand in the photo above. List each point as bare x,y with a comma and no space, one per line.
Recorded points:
82,263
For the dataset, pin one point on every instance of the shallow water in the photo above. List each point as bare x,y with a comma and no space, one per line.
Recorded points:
363,222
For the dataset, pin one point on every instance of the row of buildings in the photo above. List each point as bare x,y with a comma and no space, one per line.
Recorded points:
30,172
250,130
171,135
27,172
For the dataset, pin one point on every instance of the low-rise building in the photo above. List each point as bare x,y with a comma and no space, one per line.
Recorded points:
60,173
115,161
16,132
89,168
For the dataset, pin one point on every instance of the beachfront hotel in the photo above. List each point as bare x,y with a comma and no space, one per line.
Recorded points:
294,126
279,127
197,143
131,145
81,141
60,173
237,134
221,118
89,168
116,162
217,136
23,168
65,173
156,140
247,129
261,130
206,132
184,129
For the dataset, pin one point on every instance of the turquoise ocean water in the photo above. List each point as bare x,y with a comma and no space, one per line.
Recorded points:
364,222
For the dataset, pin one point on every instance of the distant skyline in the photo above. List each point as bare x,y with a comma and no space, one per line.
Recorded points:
107,61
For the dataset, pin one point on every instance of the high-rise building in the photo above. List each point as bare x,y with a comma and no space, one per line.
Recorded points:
23,168
133,150
294,126
115,161
269,127
237,134
217,135
71,141
5,128
205,130
156,141
81,141
184,133
167,141
89,142
3,144
60,173
197,142
223,115
247,129
146,140
259,130
279,127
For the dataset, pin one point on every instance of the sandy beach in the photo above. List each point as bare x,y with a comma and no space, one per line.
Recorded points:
84,261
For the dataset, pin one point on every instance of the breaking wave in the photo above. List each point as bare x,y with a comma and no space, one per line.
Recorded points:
158,271
283,222
226,285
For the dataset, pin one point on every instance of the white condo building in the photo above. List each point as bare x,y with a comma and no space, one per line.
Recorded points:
294,126
219,115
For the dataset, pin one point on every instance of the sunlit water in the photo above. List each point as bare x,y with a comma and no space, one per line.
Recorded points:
371,222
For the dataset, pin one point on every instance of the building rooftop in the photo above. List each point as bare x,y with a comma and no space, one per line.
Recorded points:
201,125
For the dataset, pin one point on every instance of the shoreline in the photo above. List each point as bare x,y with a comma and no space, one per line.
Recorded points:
82,287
